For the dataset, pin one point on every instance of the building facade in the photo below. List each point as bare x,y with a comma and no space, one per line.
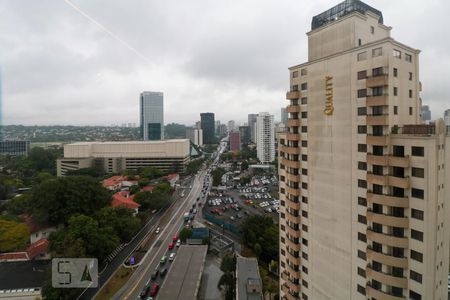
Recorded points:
14,148
151,106
284,115
426,113
265,138
231,125
252,124
195,135
362,182
245,134
208,127
235,141
114,157
447,119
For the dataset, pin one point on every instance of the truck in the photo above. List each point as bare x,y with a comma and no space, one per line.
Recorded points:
186,216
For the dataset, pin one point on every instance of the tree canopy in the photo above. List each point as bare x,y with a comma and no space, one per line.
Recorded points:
217,176
13,235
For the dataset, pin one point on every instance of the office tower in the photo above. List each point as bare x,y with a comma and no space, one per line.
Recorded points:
447,120
245,134
216,128
284,115
235,141
195,135
252,124
231,125
152,116
265,137
223,130
15,148
362,183
426,113
207,125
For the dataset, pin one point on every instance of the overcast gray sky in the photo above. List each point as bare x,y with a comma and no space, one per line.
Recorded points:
227,57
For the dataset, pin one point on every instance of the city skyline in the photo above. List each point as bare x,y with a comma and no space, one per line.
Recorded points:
104,68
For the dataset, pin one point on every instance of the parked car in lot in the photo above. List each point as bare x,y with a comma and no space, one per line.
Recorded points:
172,256
154,289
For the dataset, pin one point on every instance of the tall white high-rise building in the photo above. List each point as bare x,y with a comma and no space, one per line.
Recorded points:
265,137
447,120
231,125
195,135
151,106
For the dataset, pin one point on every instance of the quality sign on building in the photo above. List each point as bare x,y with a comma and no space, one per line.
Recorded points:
329,108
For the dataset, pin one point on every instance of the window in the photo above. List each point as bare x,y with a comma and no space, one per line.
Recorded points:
362,111
377,71
362,165
395,110
414,296
304,296
361,272
359,42
397,53
417,193
417,214
362,56
305,283
377,52
304,72
395,72
362,75
362,93
295,74
304,129
304,157
362,183
362,201
410,75
294,88
362,219
417,151
362,147
362,129
408,57
410,93
418,172
304,100
395,91
377,91
372,29
304,114
304,185
305,214
362,254
361,290
304,143
362,237
304,171
305,255
304,86
305,229
415,276
417,256
410,111
305,242
417,235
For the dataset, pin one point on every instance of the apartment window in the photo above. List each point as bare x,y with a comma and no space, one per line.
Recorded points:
304,171
414,296
362,165
377,71
305,269
304,296
417,256
282,215
417,193
361,290
417,214
410,94
305,214
395,91
361,272
362,129
305,229
304,114
362,147
362,93
372,30
304,143
362,219
362,111
304,157
362,75
362,183
377,91
415,276
305,283
305,255
304,72
304,86
362,56
359,42
395,110
408,57
305,200
294,88
395,72
362,254
362,237
418,172
295,74
417,151
304,185
362,201
410,75
377,52
304,100
304,129
417,235
397,53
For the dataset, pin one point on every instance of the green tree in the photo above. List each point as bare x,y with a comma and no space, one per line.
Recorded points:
43,176
217,176
13,235
193,166
63,244
122,221
150,173
185,233
152,200
228,263
19,205
244,166
44,159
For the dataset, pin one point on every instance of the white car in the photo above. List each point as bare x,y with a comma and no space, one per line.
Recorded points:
157,230
172,256
178,243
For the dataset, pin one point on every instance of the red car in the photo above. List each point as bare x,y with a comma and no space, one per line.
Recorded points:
174,238
170,246
154,290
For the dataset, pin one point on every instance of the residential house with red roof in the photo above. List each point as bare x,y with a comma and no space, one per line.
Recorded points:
126,200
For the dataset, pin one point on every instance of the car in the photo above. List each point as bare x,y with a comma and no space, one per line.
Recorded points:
170,246
178,243
174,238
155,274
154,289
163,260
232,218
157,230
163,272
144,291
172,256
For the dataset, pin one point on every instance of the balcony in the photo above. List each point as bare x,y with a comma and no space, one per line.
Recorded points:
388,200
380,160
293,246
398,161
387,239
387,279
294,178
293,287
380,140
293,136
290,150
377,100
388,220
292,191
376,179
375,294
374,81
293,109
377,120
293,95
402,182
388,260
291,163
292,204
293,122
